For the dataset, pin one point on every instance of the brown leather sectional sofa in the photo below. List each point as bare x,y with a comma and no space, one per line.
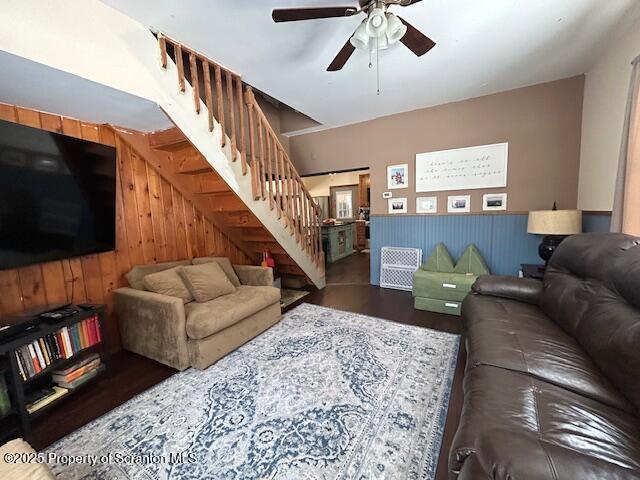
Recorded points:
552,383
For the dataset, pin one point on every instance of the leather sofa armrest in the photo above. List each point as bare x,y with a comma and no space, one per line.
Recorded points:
526,290
153,325
254,276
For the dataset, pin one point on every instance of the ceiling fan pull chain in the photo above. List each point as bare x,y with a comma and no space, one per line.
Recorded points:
377,67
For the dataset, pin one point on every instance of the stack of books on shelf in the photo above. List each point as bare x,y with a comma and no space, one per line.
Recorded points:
41,397
63,344
80,372
5,402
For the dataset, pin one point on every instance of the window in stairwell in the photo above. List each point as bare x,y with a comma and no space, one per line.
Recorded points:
344,204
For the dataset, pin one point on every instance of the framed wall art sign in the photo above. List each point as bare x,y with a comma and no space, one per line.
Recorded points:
427,205
462,168
397,205
398,176
494,201
459,204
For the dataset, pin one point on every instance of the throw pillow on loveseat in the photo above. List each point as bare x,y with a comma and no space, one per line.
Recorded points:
440,287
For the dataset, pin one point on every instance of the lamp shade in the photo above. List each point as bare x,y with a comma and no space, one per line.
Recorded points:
377,22
555,222
395,28
360,38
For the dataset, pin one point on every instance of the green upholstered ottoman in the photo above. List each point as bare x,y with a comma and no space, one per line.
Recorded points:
439,286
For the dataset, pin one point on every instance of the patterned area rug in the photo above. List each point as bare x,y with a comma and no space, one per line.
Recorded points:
324,394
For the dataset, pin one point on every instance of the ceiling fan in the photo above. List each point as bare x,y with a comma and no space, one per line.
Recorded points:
378,31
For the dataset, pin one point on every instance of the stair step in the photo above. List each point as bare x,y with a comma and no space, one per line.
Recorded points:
225,202
193,165
212,183
259,238
240,219
274,248
290,270
168,140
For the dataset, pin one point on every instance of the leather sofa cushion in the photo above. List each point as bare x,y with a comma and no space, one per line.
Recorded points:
553,418
520,337
204,319
206,281
224,263
137,273
444,286
530,457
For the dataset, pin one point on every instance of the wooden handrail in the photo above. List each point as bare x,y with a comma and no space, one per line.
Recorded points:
253,139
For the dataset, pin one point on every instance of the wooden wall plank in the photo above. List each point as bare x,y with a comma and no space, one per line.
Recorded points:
7,112
55,289
134,238
51,123
74,280
157,215
10,293
92,278
169,219
184,250
190,225
32,286
141,188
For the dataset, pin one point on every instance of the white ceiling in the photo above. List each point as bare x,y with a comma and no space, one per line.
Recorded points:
33,85
482,47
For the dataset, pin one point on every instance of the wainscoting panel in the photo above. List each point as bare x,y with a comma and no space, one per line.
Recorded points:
154,223
502,239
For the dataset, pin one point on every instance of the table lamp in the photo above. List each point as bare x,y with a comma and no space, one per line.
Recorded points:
555,225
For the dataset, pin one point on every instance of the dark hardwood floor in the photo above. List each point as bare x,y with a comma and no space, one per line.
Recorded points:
130,374
353,269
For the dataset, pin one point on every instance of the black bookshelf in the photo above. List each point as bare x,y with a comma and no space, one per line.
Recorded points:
17,422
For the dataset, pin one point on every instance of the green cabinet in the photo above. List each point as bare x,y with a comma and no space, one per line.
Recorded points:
338,240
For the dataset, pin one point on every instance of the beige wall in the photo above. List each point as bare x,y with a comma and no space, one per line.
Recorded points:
273,116
605,98
542,124
320,185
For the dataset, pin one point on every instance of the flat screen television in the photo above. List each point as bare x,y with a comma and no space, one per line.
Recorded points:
57,196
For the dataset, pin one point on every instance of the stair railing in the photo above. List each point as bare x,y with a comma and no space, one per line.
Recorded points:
234,106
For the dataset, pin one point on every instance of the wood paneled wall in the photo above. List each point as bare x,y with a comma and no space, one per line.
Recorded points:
155,223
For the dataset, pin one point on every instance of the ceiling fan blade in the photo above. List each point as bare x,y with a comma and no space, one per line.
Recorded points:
415,40
295,14
406,3
342,57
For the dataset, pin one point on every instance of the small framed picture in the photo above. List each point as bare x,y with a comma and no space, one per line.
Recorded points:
387,194
397,205
398,176
459,204
427,205
494,201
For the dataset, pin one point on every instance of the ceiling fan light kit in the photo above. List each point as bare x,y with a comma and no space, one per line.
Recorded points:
360,38
378,31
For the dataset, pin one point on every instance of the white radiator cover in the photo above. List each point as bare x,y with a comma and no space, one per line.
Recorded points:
398,266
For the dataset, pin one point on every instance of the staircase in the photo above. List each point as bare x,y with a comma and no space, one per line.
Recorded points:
226,153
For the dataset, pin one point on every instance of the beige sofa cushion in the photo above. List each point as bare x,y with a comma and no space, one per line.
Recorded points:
206,281
137,273
22,471
224,263
204,319
168,282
